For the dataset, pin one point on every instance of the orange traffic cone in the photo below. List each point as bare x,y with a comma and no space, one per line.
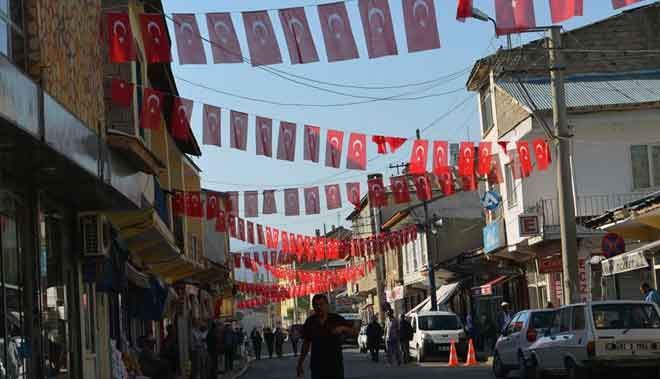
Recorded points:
471,356
453,357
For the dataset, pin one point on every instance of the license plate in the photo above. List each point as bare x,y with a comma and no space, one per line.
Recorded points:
628,346
443,348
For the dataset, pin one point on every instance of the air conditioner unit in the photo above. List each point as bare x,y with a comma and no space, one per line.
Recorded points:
95,231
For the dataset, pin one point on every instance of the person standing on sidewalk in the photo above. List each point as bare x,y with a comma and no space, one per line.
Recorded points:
392,339
294,336
323,334
229,342
198,350
406,335
255,336
213,346
269,337
374,336
279,341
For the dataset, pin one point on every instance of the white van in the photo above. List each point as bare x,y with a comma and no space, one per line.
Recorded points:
433,333
599,336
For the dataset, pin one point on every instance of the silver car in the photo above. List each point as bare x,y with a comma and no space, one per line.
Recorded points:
511,350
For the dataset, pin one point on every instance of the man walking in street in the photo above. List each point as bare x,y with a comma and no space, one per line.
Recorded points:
294,337
392,339
279,341
650,294
198,350
323,334
406,335
257,341
504,317
374,336
230,345
269,337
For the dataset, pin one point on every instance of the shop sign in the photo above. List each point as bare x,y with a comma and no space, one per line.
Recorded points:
493,235
548,265
529,225
624,263
396,293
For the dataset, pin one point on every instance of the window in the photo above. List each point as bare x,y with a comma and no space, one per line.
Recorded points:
626,316
511,194
12,40
565,320
486,111
578,318
522,320
542,320
645,166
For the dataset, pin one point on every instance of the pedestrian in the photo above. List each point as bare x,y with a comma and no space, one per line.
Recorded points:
170,348
406,335
269,337
150,364
279,341
198,351
294,337
257,340
504,317
213,346
392,339
650,294
374,336
323,334
488,333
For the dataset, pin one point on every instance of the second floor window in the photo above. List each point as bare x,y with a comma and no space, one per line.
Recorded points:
511,194
645,161
486,111
12,38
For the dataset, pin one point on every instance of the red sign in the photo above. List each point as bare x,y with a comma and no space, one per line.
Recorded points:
529,225
549,265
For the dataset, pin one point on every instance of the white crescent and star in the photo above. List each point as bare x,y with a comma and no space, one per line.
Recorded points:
440,153
420,154
212,120
294,23
223,31
416,6
115,29
376,12
357,148
257,26
186,26
336,18
154,103
156,35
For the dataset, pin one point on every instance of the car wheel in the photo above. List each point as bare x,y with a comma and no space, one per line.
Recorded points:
573,371
498,367
533,370
523,367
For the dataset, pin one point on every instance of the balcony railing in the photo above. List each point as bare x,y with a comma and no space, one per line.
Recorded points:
587,206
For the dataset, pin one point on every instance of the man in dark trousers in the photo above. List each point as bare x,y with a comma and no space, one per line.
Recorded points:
324,333
405,336
374,336
257,340
269,337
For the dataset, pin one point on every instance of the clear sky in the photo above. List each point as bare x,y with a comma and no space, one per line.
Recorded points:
225,169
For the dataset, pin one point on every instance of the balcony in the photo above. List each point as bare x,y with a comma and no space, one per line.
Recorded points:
160,203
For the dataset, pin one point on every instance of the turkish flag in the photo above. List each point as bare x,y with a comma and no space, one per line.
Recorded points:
353,193
231,220
419,156
503,146
194,208
260,234
251,199
562,10
188,39
286,142
255,258
263,129
466,159
121,47
180,118
525,158
357,152
513,16
211,133
378,28
542,153
238,130
273,257
224,42
616,4
269,206
380,143
377,196
231,204
333,148
445,179
179,203
333,196
284,236
261,39
469,183
423,187
250,232
395,143
241,228
155,39
464,10
221,222
495,175
275,234
440,156
337,33
269,237
121,92
291,202
312,143
485,153
152,108
237,260
312,201
421,25
211,205
298,35
400,190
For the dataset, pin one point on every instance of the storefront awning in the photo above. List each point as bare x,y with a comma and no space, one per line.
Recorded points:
630,261
182,267
214,273
443,294
487,288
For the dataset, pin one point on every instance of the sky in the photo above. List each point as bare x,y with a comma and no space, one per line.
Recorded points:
450,113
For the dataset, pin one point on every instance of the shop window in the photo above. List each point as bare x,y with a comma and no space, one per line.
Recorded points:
12,38
645,161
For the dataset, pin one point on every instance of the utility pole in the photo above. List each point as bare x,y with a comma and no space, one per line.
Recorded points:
427,236
568,228
380,277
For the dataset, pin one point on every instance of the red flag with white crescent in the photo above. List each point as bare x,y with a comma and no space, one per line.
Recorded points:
284,236
298,35
495,175
525,158
380,143
418,157
273,257
276,238
333,148
445,179
353,193
188,39
231,203
241,228
260,234
423,187
514,16
440,156
250,232
212,205
312,201
377,195
180,118
400,190
120,38
357,152
269,206
269,237
333,196
421,25
155,38
616,4
394,143
562,10
211,132
286,142
312,143
251,199
224,42
542,154
238,123
179,203
231,220
485,153
337,33
261,39
237,260
466,159
121,92
221,222
263,130
378,27
256,258
194,206
291,202
152,108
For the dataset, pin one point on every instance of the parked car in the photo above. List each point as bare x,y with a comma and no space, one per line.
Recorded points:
511,349
433,333
589,338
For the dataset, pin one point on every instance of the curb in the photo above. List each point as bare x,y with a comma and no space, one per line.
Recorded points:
243,371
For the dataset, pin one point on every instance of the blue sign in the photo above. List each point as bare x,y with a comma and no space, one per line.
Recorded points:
491,200
494,236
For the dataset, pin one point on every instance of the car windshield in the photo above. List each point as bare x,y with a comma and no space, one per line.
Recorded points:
542,320
626,316
439,323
